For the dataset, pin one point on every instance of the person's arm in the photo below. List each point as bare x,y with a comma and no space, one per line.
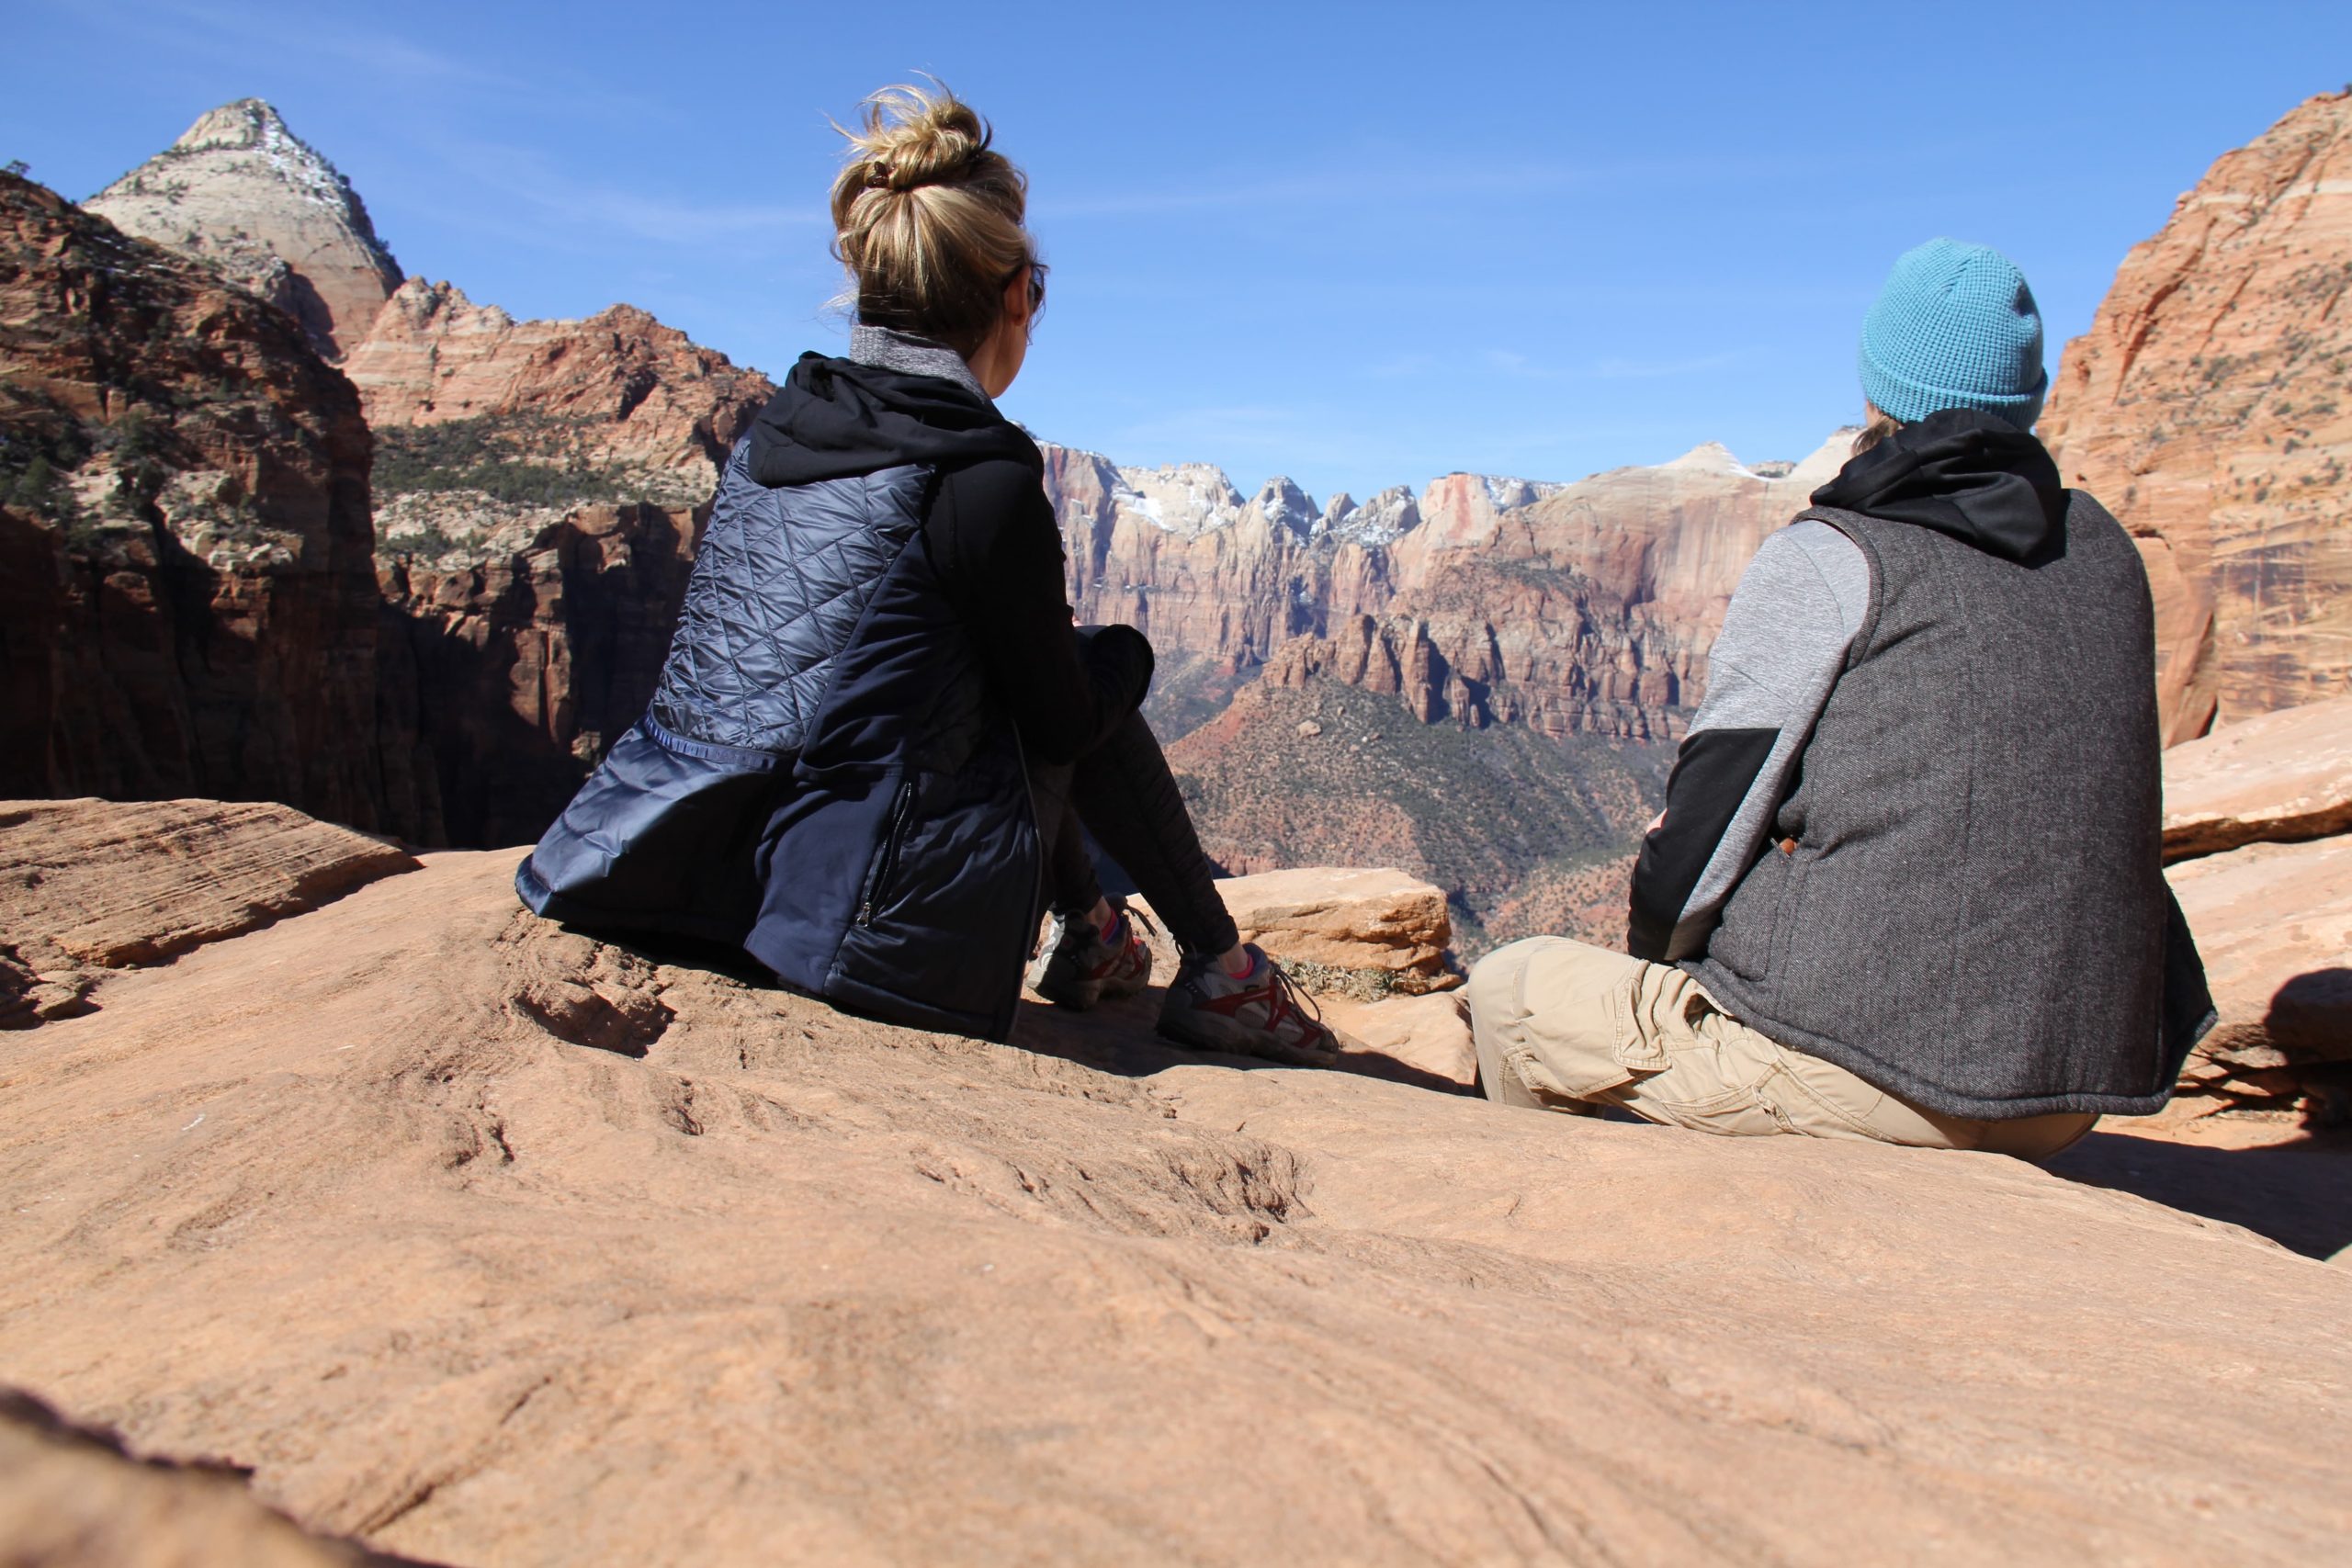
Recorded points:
995,542
1783,647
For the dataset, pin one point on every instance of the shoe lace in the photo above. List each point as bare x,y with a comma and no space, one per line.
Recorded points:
1130,913
1283,997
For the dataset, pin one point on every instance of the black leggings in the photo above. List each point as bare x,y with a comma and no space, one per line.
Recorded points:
1124,795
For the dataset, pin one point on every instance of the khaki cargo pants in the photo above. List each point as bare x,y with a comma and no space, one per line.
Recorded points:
1563,1026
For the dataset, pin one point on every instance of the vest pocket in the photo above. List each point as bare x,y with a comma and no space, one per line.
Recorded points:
880,874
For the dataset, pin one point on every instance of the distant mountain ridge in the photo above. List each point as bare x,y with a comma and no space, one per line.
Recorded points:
1583,608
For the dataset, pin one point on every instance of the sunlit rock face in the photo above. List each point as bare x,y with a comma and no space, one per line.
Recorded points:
2207,408
1576,609
188,597
270,212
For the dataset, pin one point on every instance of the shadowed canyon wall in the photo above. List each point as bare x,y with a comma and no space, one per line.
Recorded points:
185,552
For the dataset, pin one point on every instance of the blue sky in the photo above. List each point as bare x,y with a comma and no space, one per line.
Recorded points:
1358,244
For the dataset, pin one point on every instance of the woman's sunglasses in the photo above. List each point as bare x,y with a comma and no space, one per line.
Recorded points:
1036,284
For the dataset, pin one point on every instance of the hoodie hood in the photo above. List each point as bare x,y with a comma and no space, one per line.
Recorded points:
839,418
1963,472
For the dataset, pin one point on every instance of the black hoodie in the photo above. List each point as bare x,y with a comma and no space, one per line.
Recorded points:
990,534
836,418
1973,476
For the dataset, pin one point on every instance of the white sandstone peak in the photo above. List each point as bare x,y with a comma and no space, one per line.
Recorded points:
1283,505
241,192
1822,466
1708,457
1384,519
1182,498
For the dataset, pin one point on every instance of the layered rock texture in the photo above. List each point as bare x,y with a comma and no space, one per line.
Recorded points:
2259,823
187,583
2207,407
92,886
480,1241
269,212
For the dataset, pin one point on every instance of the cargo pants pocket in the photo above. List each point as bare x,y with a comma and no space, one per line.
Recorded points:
1587,1019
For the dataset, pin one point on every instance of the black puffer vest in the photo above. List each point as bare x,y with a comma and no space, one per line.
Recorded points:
822,776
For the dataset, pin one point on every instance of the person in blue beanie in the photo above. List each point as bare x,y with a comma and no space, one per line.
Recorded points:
1907,886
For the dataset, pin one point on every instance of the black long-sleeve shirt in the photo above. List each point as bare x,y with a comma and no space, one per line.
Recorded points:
993,539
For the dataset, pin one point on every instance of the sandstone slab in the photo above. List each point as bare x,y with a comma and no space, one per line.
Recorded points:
2205,407
1381,920
2278,775
2274,925
90,885
1430,1033
73,1498
348,1200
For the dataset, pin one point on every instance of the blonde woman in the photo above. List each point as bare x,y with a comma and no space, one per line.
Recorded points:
878,731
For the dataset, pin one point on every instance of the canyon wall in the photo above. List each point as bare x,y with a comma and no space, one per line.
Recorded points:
2207,407
188,590
1574,609
540,486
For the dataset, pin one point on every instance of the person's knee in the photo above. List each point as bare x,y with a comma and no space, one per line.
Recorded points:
1494,986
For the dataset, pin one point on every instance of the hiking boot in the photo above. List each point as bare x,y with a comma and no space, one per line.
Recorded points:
1080,966
1258,1015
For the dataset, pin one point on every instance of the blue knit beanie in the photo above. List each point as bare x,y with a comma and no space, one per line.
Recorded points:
1954,327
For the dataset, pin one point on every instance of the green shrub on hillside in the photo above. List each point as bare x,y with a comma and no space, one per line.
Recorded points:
521,460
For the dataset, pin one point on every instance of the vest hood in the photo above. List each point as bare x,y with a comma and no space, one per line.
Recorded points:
839,418
1970,475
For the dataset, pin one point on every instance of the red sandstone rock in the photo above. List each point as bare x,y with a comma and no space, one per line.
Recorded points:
644,396
187,594
1348,919
2274,925
2279,776
2207,407
368,1202
1430,1033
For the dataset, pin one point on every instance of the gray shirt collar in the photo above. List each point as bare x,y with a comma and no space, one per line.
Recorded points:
915,356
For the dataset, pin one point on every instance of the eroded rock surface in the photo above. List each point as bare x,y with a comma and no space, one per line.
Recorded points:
2282,775
88,886
2207,408
187,587
378,1202
2274,925
1355,919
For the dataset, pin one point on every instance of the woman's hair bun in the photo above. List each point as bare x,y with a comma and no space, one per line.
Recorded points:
928,218
912,138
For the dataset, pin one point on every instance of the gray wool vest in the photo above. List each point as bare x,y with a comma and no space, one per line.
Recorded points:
1963,899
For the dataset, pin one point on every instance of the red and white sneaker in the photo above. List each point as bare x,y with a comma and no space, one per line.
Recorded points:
1083,963
1258,1014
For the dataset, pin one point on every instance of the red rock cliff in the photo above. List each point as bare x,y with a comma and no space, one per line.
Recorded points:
187,594
2207,407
